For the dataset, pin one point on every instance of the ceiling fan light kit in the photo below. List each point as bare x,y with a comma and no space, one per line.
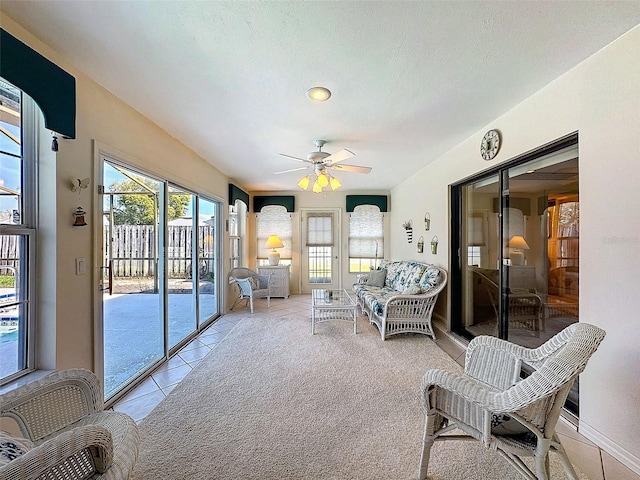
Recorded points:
321,162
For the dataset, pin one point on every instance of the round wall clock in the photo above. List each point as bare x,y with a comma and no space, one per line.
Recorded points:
490,144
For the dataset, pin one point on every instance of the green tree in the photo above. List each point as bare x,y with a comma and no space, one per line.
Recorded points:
134,209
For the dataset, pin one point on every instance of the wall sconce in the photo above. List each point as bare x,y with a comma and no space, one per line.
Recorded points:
409,230
427,221
420,244
434,245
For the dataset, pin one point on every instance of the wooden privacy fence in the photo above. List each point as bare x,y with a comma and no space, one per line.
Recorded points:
134,250
9,245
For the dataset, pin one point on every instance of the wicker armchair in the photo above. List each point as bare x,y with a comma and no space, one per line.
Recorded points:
490,395
526,308
74,437
251,285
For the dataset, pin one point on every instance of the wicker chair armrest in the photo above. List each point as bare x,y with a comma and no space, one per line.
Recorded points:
526,393
362,278
462,386
62,398
64,447
416,303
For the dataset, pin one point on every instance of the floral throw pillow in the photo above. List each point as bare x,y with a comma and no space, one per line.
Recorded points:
12,447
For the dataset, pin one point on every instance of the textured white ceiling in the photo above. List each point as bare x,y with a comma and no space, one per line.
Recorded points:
410,80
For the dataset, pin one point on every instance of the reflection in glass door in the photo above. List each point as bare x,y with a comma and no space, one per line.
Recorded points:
520,250
133,322
518,238
481,257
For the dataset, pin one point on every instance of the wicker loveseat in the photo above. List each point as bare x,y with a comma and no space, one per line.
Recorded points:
403,302
70,435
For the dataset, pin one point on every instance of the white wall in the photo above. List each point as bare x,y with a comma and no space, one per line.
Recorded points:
600,99
66,309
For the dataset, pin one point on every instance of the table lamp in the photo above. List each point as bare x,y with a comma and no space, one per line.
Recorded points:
273,242
518,243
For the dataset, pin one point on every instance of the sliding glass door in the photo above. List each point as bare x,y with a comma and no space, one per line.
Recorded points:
133,318
161,254
517,231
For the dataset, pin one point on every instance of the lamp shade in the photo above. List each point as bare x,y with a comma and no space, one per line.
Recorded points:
518,241
273,242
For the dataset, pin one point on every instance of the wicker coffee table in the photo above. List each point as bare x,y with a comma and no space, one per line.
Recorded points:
332,305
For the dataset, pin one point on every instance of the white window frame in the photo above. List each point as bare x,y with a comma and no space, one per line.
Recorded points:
27,228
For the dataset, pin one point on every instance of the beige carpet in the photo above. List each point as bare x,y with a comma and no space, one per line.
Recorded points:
274,402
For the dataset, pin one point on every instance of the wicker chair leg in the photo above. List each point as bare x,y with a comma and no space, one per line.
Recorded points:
427,443
251,302
542,459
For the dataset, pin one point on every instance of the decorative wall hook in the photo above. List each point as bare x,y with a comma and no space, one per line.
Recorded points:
434,245
427,221
77,185
421,244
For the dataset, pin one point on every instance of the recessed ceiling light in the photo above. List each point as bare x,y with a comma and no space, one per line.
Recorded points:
530,171
318,94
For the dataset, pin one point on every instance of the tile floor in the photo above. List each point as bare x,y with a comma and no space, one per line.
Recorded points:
597,464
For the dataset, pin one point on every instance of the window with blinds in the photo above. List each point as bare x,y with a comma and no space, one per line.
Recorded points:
319,230
274,220
366,238
320,248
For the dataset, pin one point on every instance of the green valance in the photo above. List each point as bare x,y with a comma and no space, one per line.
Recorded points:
53,89
378,200
287,201
236,193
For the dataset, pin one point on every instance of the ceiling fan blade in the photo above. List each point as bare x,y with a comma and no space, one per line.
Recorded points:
291,170
339,156
295,158
351,168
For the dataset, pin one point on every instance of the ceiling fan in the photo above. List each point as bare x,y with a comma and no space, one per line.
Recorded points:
320,162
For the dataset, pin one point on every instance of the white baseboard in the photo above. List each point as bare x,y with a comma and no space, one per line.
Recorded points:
616,451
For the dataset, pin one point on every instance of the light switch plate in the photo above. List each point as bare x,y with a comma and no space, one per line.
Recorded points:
81,266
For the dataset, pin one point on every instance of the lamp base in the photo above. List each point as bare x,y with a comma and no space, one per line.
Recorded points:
517,258
274,259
